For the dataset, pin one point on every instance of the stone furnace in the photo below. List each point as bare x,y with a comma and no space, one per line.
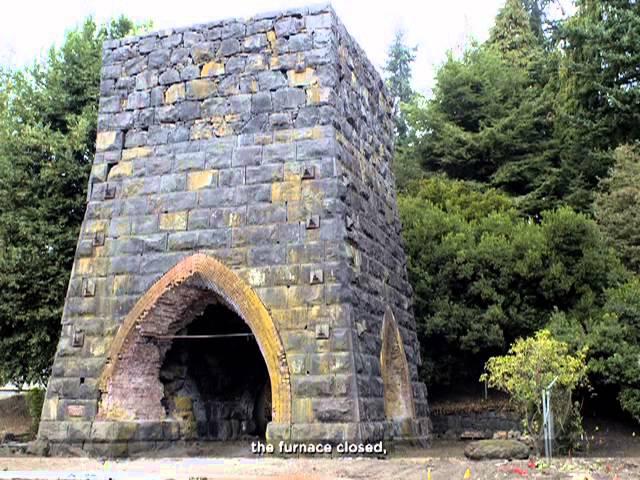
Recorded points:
240,271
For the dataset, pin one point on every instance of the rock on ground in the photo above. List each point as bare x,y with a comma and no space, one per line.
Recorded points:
496,449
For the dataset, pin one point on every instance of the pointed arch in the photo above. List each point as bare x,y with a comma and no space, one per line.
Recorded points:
172,295
398,394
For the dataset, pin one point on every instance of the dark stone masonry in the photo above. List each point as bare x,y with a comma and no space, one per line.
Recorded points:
240,272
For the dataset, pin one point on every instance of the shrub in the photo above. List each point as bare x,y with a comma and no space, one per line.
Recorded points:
35,400
530,366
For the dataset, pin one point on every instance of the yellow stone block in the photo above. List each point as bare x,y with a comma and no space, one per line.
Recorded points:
50,409
133,187
234,219
121,284
199,180
94,226
200,89
302,410
138,152
286,192
120,170
104,140
83,266
256,277
283,136
98,346
174,93
99,172
173,221
201,130
220,126
212,69
263,138
271,38
317,95
302,79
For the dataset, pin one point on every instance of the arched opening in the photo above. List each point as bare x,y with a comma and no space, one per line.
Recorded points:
216,383
398,395
199,348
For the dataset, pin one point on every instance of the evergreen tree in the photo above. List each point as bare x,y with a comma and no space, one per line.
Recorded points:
513,36
48,116
598,105
398,78
490,117
617,206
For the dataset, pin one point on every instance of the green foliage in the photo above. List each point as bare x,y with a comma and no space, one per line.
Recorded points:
617,206
48,116
398,78
614,345
398,67
532,120
529,367
482,276
598,91
35,401
489,119
513,36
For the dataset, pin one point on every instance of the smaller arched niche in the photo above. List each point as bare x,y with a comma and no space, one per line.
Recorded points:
398,396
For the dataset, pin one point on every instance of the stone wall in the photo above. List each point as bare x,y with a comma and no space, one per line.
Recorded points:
377,261
265,144
482,424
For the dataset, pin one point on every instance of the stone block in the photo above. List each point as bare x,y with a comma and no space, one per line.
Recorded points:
174,182
305,78
228,47
109,141
228,217
288,26
266,214
266,255
182,241
212,69
312,386
175,93
189,161
200,88
173,221
232,177
261,102
201,179
279,153
272,80
264,174
243,156
219,238
288,98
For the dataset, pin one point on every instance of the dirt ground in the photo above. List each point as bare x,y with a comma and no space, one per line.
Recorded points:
270,468
613,454
232,461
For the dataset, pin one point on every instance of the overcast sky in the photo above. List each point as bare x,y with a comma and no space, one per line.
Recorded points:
28,28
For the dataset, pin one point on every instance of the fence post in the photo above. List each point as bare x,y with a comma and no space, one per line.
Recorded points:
547,419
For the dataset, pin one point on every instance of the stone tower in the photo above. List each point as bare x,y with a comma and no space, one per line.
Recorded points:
240,270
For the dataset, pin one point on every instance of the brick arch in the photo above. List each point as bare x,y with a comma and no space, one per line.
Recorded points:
398,394
196,273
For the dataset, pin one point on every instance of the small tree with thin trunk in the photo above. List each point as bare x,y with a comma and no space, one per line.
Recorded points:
530,366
